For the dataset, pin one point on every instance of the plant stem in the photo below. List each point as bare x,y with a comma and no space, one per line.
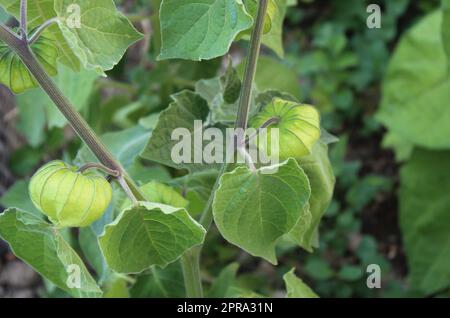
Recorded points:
191,259
190,263
250,67
23,19
81,127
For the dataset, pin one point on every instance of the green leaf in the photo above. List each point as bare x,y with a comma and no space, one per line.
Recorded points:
263,99
252,9
273,75
224,283
77,87
32,121
200,29
222,94
116,287
41,246
424,218
17,197
416,90
15,75
88,240
167,282
181,114
160,193
273,39
40,11
254,209
149,234
402,148
196,188
320,174
446,27
103,35
296,288
125,145
3,16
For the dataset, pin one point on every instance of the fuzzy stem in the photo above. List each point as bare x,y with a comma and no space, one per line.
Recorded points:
23,19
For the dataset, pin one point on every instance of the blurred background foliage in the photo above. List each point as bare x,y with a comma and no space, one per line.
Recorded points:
333,61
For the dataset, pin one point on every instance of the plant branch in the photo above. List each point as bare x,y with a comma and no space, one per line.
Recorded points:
81,127
191,259
250,67
23,19
41,29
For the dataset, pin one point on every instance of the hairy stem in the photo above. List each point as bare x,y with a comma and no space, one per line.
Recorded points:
81,127
191,259
23,19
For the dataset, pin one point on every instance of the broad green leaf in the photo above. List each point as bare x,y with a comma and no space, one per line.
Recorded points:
296,288
125,145
446,27
41,246
180,115
167,282
149,234
424,218
17,197
254,209
40,11
102,36
77,87
200,29
273,75
223,284
416,90
320,174
15,75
